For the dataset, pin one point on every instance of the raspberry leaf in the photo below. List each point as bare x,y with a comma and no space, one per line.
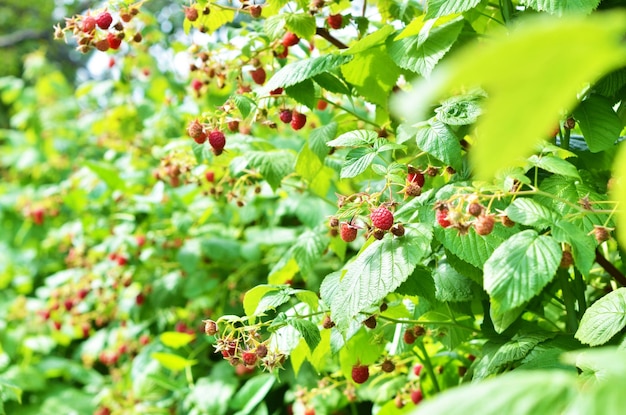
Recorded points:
302,70
308,330
438,8
438,139
357,161
531,213
561,7
520,268
301,24
273,165
303,92
252,393
604,319
598,122
378,270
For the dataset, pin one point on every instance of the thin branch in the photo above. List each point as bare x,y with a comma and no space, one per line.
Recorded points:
610,269
20,36
320,31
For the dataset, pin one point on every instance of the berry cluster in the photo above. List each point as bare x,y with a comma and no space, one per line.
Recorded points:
243,346
175,168
465,212
100,30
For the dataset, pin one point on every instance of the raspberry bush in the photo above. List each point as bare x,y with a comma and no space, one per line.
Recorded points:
293,207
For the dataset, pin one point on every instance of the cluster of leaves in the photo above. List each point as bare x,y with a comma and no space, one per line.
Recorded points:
168,238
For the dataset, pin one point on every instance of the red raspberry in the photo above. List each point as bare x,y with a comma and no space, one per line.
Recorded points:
348,232
409,336
484,224
103,45
382,218
38,216
417,369
309,411
104,20
335,21
249,358
285,116
217,139
114,41
415,176
68,304
417,396
442,217
209,175
258,76
298,120
191,13
281,52
89,24
144,339
140,299
277,91
233,125
360,373
290,39
255,11
322,104
196,84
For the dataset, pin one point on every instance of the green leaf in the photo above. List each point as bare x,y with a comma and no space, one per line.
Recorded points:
308,250
319,138
171,361
420,53
437,139
214,20
569,53
554,165
175,339
604,319
583,245
618,193
377,271
107,173
562,7
309,331
244,104
273,165
452,286
356,138
502,319
373,74
459,110
531,213
252,393
274,26
517,393
520,268
264,297
373,40
357,161
9,392
303,92
299,71
302,24
598,122
438,8
331,83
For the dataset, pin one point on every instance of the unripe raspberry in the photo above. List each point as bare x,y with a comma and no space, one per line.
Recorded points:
360,373
191,13
210,327
601,233
484,224
398,230
399,402
382,218
378,234
277,91
566,259
388,366
327,323
370,322
261,351
104,20
569,123
255,11
409,336
413,189
475,209
506,221
196,131
348,232
333,222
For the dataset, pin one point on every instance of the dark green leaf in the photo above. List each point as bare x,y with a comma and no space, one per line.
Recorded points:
331,83
303,92
299,71
273,165
319,138
357,161
452,286
520,268
244,104
309,331
531,213
598,122
439,140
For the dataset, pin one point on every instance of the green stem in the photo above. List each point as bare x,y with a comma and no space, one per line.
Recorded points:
506,9
428,365
570,301
565,139
579,290
424,323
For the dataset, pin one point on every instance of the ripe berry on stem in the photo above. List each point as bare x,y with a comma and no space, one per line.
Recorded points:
382,218
104,20
258,76
298,120
348,232
290,39
335,21
360,373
